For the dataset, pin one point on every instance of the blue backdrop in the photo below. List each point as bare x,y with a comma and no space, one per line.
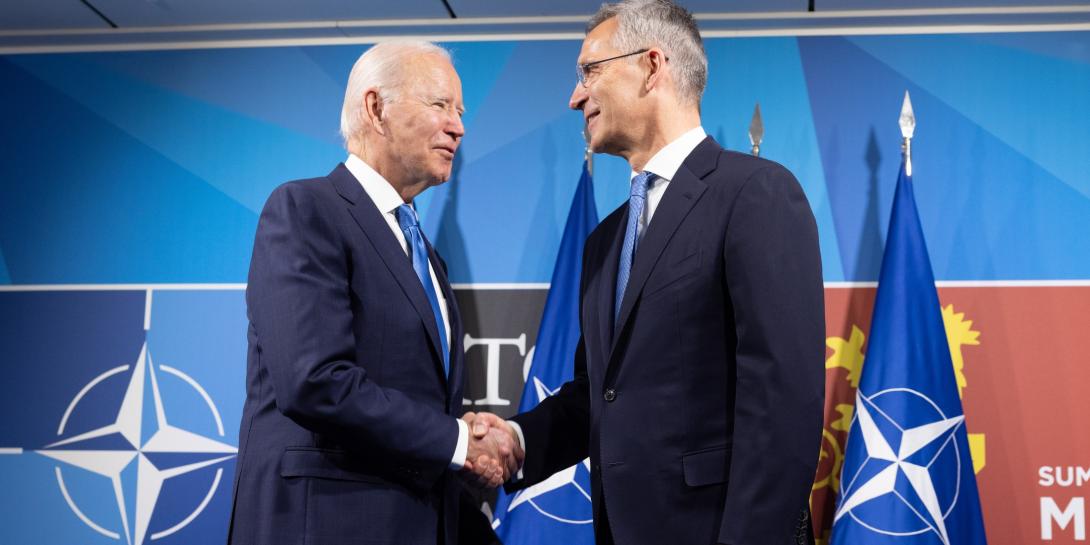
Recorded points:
151,168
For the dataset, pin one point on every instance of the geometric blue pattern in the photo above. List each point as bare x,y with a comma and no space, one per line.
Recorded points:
152,166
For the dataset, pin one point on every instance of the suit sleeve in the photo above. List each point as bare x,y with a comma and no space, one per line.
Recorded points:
773,275
557,431
299,303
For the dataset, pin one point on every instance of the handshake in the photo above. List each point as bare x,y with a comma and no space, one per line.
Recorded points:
494,453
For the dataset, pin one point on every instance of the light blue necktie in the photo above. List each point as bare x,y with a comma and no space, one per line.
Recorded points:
636,198
410,225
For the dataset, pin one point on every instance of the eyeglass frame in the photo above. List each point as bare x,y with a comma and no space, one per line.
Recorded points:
581,69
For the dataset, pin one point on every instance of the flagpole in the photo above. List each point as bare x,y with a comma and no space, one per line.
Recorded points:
908,126
756,131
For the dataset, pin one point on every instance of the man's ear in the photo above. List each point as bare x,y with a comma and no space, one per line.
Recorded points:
373,110
656,63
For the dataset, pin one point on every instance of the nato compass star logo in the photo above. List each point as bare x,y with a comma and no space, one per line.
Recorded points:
563,497
140,450
905,468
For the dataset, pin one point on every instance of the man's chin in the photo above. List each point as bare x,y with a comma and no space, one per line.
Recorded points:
601,142
604,146
440,178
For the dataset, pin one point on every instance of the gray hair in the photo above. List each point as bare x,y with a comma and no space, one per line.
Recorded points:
662,23
379,67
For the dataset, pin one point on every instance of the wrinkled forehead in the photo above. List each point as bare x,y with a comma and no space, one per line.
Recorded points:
431,75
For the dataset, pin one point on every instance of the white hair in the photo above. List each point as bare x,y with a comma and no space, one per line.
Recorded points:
662,23
380,68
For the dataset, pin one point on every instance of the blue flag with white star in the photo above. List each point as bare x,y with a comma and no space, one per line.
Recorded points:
908,475
558,509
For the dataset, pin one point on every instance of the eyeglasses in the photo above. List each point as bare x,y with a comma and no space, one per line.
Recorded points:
583,70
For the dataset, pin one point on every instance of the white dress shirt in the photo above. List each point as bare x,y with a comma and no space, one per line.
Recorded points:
665,165
387,200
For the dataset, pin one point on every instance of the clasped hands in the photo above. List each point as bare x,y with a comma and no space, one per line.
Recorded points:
494,453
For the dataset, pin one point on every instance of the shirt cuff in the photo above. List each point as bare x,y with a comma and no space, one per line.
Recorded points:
522,443
458,461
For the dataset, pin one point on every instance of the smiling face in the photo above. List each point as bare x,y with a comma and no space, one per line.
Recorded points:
424,124
611,103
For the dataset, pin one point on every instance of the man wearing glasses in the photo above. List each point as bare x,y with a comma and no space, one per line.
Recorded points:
699,380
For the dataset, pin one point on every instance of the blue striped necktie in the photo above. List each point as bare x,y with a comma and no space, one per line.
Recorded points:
636,199
410,225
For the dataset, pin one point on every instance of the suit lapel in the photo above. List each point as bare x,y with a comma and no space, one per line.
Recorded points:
681,195
377,231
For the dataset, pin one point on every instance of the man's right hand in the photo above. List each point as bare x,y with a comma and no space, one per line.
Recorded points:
494,453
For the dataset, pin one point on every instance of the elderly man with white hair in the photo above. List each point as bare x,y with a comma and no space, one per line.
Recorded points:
350,431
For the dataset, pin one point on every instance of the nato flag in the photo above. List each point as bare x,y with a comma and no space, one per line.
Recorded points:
558,509
908,476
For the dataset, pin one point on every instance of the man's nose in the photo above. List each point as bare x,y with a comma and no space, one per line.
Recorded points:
456,128
579,96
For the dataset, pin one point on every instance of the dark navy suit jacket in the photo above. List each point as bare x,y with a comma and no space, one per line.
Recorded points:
701,408
348,429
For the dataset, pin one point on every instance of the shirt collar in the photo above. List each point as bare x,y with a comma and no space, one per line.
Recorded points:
381,192
667,161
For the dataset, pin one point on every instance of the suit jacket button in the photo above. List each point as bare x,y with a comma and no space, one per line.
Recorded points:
609,395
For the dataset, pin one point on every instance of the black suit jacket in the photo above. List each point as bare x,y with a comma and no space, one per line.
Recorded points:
348,428
701,408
